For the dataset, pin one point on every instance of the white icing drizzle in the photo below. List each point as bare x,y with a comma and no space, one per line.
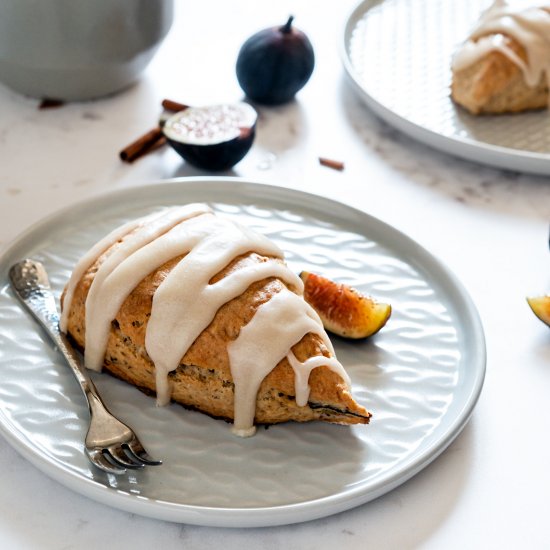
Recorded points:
98,325
530,27
303,370
185,302
286,318
91,256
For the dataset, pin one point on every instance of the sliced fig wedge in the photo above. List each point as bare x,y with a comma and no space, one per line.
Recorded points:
215,137
541,307
343,309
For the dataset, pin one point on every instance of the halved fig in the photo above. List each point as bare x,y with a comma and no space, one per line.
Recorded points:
541,307
344,310
215,137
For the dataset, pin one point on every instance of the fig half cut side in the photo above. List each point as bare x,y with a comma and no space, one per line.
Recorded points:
214,137
541,307
342,309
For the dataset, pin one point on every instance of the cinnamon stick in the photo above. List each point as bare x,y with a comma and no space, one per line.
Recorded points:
153,139
157,145
330,163
175,106
143,145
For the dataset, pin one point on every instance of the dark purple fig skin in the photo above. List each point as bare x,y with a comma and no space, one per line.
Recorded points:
217,157
274,64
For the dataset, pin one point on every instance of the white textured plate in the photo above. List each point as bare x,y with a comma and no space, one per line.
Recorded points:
421,375
398,54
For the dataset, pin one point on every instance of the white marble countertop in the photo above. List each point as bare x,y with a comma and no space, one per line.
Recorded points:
488,489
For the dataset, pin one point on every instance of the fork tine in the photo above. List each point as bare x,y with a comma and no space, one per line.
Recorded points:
100,461
135,448
125,460
30,281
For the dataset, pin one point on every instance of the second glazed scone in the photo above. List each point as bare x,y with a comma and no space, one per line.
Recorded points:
504,65
494,84
217,373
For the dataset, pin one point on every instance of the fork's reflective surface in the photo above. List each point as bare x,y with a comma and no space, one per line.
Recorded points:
111,445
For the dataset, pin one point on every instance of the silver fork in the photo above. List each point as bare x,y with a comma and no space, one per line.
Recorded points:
111,445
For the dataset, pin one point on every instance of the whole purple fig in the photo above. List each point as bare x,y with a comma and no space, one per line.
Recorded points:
275,63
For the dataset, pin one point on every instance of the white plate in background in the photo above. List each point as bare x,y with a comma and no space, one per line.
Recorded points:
398,55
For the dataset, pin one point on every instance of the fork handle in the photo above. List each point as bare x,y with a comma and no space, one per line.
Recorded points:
30,282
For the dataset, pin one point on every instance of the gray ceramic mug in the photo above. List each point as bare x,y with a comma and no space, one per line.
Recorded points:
78,49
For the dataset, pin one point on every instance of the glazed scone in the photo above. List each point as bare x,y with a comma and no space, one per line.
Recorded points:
196,309
504,65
